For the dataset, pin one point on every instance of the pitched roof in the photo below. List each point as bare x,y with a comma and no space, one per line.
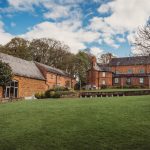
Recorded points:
22,67
102,67
52,69
126,61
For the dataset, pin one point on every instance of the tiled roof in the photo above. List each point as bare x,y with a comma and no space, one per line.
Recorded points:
52,69
126,61
102,67
22,67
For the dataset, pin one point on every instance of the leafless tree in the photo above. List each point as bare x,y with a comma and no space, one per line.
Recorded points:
141,43
105,58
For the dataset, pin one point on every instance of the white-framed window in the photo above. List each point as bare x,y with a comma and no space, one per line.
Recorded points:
128,80
11,89
141,80
142,71
116,80
103,74
52,76
130,71
103,82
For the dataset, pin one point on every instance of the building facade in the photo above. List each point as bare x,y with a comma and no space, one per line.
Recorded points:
120,72
32,77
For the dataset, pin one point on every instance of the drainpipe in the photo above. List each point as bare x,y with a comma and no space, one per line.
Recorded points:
56,79
98,81
149,81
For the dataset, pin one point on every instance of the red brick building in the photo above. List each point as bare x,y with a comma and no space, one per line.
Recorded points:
120,72
32,77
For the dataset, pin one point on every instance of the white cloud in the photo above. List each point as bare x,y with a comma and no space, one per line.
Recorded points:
74,36
120,39
57,11
104,8
96,51
126,16
23,5
4,36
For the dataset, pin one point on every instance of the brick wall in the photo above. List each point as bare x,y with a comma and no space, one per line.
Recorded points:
136,69
97,78
54,79
1,92
28,87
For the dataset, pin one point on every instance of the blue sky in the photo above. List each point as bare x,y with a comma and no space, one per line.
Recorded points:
101,25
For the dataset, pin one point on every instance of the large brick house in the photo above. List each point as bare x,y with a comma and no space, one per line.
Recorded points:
31,77
120,72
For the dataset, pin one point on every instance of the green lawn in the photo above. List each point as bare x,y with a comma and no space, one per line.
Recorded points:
80,124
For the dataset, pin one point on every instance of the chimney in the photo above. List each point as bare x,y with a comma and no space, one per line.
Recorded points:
93,60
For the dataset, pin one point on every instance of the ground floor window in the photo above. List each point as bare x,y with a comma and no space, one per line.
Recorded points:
141,80
116,80
103,82
11,90
128,80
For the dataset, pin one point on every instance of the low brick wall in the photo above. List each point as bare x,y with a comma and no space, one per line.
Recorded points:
114,93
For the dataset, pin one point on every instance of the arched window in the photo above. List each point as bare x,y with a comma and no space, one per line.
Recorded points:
11,90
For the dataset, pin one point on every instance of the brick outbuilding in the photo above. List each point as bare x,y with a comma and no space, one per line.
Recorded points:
31,77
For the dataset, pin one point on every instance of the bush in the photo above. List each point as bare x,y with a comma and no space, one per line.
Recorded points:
48,93
40,95
61,88
56,95
103,86
5,73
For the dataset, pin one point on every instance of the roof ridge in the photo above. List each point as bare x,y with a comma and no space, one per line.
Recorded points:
131,57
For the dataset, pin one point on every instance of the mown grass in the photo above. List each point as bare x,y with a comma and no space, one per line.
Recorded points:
76,124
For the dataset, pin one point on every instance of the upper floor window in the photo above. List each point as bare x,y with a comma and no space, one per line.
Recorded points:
52,76
142,71
130,71
103,74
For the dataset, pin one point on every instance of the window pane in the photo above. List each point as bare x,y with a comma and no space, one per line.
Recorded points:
129,70
141,80
16,92
16,84
142,71
13,83
7,92
116,80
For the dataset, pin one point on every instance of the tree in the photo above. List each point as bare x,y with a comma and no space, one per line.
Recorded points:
105,58
48,51
17,47
82,64
5,73
141,43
